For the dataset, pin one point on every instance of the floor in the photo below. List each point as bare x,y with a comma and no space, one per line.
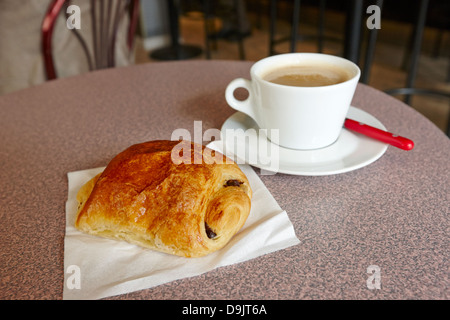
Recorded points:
386,72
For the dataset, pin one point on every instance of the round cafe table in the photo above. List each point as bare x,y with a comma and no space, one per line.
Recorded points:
393,213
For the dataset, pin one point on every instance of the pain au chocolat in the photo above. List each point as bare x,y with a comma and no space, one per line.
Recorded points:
150,198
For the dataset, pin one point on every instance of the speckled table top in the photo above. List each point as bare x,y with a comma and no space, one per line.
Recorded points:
393,214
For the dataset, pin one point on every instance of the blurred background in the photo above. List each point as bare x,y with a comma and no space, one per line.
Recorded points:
410,50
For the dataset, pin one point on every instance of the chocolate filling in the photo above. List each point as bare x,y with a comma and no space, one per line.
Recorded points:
233,183
211,234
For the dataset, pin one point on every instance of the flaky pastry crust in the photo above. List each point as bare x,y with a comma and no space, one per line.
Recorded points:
148,197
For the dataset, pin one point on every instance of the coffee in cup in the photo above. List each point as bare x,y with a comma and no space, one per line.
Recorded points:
308,75
304,96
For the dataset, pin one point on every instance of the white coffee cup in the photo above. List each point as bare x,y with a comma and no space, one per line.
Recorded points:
306,117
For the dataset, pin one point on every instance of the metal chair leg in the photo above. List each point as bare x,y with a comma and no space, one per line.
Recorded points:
294,27
272,26
370,50
417,43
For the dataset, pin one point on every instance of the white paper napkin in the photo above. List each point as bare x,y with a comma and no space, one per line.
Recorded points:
95,268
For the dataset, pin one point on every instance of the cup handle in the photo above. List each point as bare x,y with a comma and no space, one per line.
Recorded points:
244,106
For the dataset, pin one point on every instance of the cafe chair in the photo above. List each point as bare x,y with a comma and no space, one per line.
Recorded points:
294,36
212,35
416,43
353,37
175,50
105,17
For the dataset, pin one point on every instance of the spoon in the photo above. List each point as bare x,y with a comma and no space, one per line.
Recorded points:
378,134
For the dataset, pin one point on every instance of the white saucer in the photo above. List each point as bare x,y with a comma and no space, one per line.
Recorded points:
350,152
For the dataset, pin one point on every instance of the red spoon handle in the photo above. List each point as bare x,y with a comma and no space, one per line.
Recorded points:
378,134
